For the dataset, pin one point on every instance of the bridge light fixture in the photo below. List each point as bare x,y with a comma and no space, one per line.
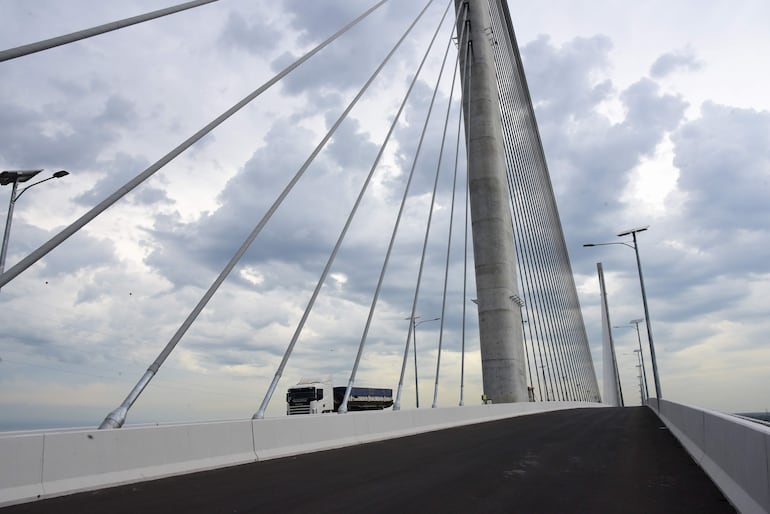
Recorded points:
16,177
632,232
415,324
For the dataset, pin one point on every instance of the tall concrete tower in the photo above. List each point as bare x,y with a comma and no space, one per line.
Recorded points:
500,326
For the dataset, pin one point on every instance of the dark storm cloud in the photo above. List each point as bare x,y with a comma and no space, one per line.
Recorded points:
671,62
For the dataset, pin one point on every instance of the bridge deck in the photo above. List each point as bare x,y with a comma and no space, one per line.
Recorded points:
585,460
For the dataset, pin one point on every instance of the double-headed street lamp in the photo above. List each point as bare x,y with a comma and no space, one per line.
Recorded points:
632,232
639,352
415,324
17,177
641,387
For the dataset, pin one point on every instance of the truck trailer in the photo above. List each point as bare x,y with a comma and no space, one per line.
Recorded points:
315,396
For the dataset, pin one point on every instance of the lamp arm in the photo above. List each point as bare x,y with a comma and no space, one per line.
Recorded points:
630,245
32,185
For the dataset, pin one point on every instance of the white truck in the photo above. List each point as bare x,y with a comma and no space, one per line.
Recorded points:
319,396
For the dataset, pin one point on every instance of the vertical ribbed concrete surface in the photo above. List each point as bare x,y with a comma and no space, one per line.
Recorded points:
502,349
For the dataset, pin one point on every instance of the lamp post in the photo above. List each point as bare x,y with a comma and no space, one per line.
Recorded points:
632,232
415,324
17,177
641,389
641,354
545,385
641,375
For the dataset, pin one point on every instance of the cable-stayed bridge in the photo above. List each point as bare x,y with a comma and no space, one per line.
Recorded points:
448,201
429,191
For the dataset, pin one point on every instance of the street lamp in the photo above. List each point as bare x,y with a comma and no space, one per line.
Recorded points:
17,177
641,389
641,375
641,354
415,324
545,384
635,246
639,351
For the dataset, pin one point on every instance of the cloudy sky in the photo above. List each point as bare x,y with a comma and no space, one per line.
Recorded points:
650,114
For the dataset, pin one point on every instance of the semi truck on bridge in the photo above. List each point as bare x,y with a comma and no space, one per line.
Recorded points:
319,396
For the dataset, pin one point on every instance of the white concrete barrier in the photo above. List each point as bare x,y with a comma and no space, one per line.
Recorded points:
281,437
734,452
56,463
21,467
46,464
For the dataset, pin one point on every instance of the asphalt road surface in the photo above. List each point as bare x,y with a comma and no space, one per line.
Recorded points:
585,460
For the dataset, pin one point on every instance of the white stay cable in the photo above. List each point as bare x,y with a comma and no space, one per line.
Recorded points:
129,186
21,51
451,223
343,406
116,418
466,99
397,404
279,372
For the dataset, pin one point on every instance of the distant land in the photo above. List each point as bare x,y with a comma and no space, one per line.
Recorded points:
762,416
24,425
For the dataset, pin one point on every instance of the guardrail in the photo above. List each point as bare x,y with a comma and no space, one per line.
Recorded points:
36,465
734,452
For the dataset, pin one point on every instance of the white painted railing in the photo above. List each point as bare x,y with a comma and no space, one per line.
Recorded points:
734,452
38,464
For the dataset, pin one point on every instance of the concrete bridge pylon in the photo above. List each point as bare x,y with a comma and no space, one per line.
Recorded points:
500,321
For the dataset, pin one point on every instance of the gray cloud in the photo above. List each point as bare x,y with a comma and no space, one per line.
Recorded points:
339,68
563,80
720,231
590,156
76,139
108,107
91,252
117,172
724,166
672,62
254,35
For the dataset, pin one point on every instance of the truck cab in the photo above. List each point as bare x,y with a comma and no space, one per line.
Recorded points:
319,396
310,396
